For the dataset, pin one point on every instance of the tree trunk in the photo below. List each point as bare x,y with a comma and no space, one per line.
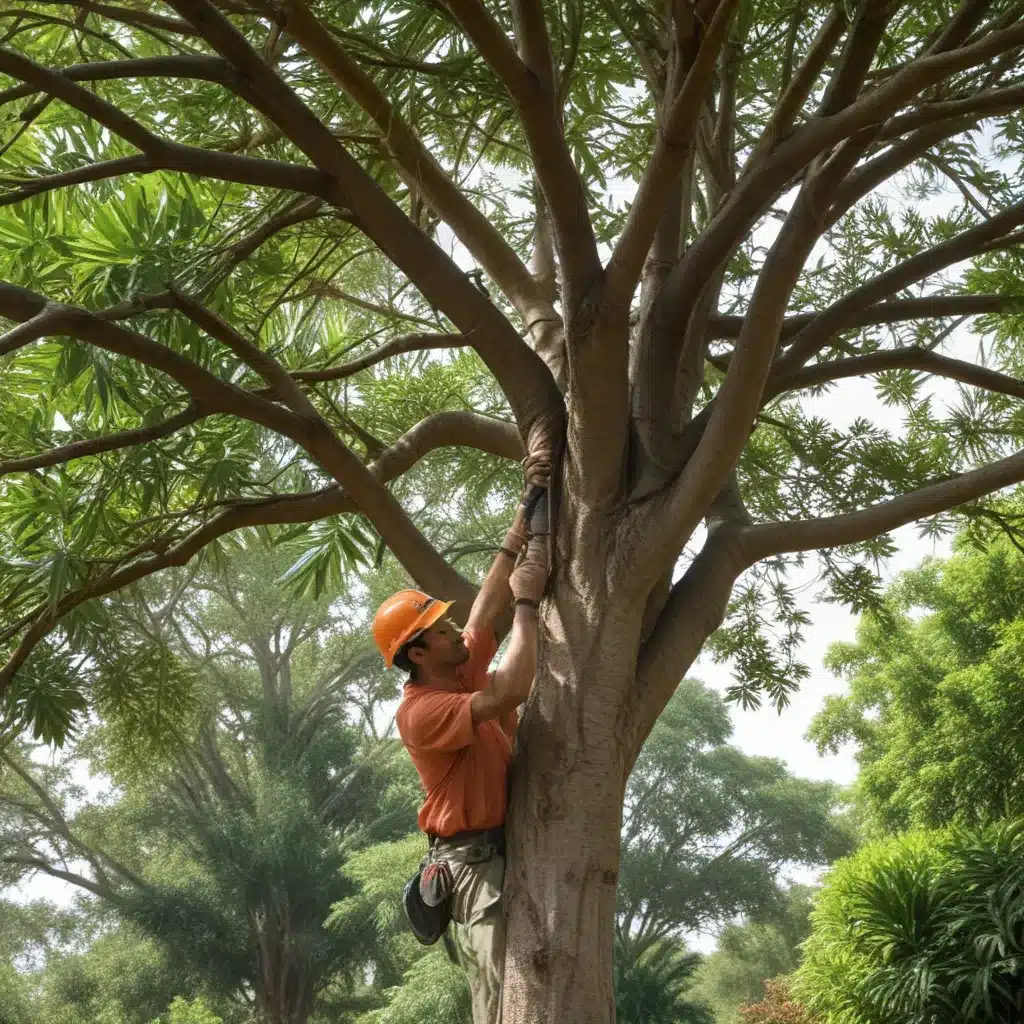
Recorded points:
284,994
565,812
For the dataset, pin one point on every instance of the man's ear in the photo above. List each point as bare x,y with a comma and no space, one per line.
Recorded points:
417,655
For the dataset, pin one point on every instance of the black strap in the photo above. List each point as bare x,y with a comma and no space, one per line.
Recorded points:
490,835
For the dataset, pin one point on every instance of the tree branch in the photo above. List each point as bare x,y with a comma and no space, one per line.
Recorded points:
470,226
196,66
861,45
526,381
329,290
892,311
982,104
38,864
79,176
901,359
874,172
856,527
529,80
98,445
395,347
759,189
968,243
128,16
674,144
677,511
209,392
159,154
251,354
800,86
450,428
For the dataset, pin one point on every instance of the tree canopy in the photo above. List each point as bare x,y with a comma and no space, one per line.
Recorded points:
325,271
236,255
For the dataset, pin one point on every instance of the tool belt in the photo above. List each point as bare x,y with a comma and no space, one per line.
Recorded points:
426,897
483,844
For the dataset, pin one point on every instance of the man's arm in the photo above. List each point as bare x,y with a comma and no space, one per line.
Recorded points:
490,610
510,682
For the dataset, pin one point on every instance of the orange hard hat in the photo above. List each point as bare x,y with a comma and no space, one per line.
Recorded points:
401,617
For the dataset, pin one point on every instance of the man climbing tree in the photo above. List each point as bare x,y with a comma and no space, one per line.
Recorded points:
207,203
458,722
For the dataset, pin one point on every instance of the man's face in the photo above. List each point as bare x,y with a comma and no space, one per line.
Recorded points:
445,646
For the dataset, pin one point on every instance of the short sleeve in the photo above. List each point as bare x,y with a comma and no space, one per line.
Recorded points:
482,645
438,721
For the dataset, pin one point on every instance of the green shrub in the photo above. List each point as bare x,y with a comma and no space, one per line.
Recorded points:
927,927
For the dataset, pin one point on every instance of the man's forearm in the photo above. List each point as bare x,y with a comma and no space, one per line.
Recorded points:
514,676
490,609
511,682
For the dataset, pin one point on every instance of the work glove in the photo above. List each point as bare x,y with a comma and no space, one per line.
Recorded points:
530,577
517,536
537,470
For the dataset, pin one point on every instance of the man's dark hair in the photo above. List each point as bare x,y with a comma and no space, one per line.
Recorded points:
402,660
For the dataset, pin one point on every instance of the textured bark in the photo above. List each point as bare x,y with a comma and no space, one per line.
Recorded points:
567,789
576,747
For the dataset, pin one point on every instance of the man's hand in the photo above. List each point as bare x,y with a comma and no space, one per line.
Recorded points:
530,577
537,470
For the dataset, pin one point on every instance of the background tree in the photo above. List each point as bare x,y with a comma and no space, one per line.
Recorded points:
937,695
120,977
709,832
925,926
750,954
224,847
27,931
652,987
209,203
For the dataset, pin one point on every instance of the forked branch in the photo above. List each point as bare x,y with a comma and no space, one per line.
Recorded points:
675,142
535,96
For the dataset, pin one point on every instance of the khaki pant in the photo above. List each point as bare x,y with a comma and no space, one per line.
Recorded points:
478,922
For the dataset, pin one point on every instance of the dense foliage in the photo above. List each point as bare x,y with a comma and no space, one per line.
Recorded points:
924,927
224,844
127,453
937,695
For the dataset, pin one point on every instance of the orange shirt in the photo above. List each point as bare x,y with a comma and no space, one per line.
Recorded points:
462,767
